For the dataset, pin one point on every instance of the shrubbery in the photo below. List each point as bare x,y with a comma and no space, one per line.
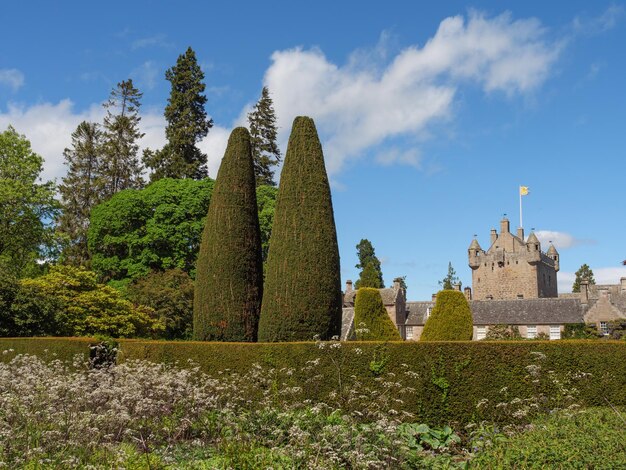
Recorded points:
170,294
372,323
68,301
450,320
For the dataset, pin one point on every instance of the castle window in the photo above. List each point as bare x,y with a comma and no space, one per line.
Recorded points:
409,332
481,332
516,262
489,297
604,328
536,246
555,332
531,331
477,253
520,296
428,309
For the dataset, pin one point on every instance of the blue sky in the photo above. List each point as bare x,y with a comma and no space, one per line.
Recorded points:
431,115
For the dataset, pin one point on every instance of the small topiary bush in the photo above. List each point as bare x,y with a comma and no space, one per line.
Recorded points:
371,321
451,319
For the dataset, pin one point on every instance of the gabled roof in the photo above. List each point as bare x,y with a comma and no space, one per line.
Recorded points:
417,312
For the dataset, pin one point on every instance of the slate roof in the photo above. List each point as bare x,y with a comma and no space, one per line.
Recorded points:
347,324
417,312
527,311
388,295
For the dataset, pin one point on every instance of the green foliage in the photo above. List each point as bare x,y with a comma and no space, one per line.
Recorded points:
581,331
265,151
586,273
503,332
420,436
302,291
450,320
157,228
371,274
68,301
371,320
266,200
79,191
120,167
27,208
64,349
593,438
170,294
229,272
187,124
448,282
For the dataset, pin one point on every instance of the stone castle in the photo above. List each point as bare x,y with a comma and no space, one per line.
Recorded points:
513,268
514,283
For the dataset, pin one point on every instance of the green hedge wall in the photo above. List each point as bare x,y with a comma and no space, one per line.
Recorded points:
45,347
452,377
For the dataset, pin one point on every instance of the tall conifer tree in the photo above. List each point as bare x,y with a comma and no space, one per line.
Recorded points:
265,151
187,124
371,274
229,271
302,291
79,190
121,167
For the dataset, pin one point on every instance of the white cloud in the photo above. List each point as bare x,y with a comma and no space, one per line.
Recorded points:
561,240
358,105
370,101
610,275
158,40
146,75
12,78
599,24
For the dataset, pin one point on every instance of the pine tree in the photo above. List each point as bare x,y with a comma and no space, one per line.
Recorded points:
121,168
450,320
79,191
584,272
229,271
265,151
371,274
371,320
187,124
448,282
302,291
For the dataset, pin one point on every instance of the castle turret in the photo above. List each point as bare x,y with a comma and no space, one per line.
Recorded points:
474,253
534,248
552,253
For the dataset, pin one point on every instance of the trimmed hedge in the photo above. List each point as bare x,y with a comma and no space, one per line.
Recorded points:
452,377
370,314
451,319
302,290
46,347
229,271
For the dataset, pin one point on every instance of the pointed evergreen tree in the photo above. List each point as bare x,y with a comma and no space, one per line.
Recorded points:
447,283
302,291
229,271
265,151
79,191
121,168
586,273
187,124
371,320
371,275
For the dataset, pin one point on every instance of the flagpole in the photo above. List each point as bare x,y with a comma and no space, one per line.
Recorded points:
520,207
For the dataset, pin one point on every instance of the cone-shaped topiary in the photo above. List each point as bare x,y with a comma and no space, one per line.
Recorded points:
302,292
450,320
229,271
371,320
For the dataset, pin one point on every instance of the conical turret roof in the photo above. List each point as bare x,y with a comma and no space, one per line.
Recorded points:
532,238
474,245
552,250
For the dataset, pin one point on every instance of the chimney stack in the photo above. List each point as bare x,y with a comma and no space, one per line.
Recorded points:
622,282
520,233
584,291
494,235
348,286
397,283
434,297
468,293
456,286
504,225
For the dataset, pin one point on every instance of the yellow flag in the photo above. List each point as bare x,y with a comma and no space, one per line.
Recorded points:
523,190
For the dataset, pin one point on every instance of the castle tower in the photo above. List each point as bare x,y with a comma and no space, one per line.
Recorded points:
512,268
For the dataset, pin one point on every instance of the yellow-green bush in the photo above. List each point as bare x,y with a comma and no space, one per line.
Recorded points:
450,320
371,320
48,348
